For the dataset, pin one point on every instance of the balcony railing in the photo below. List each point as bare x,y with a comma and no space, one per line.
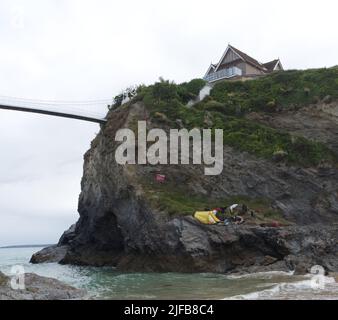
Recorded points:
223,74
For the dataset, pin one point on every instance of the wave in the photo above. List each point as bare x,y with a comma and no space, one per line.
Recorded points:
264,275
314,287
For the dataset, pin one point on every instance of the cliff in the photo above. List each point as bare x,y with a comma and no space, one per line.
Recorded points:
280,158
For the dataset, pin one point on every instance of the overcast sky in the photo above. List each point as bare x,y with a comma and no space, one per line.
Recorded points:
79,50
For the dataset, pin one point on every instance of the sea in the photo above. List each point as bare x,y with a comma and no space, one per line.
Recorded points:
107,283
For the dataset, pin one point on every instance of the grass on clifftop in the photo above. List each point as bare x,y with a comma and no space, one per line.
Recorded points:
283,90
230,101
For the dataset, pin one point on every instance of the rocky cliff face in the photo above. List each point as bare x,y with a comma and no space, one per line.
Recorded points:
123,223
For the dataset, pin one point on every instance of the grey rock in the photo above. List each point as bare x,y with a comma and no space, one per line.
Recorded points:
39,288
50,254
118,226
327,99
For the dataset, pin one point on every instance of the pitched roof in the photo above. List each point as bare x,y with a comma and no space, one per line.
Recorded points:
271,65
247,58
264,67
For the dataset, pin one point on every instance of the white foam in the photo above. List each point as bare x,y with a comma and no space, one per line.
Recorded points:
294,290
264,275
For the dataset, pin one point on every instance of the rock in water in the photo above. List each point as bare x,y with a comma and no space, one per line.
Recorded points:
125,222
50,254
39,288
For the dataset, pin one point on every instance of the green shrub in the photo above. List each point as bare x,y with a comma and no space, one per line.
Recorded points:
285,88
164,90
195,86
229,101
215,106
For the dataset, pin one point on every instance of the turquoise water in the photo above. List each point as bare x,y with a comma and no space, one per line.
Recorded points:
107,283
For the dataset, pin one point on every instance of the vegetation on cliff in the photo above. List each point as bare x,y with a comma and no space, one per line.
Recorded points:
227,108
229,102
174,200
284,90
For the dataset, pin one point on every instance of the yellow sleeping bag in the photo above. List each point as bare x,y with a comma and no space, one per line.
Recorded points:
206,217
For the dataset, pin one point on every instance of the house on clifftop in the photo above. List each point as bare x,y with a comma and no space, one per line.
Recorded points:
236,64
